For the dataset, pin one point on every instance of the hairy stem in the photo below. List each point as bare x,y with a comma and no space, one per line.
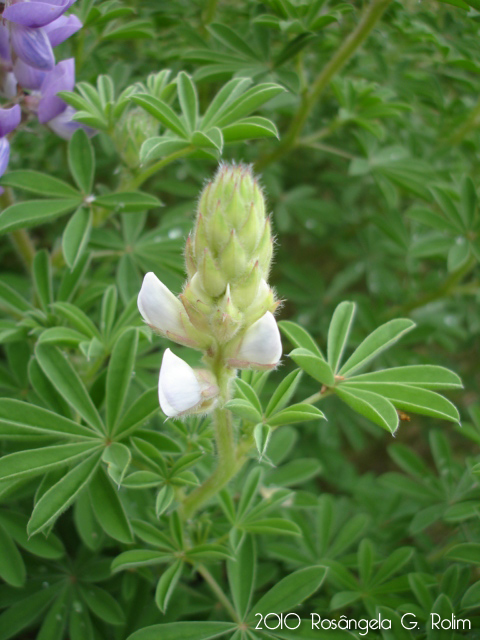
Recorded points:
141,177
218,591
369,19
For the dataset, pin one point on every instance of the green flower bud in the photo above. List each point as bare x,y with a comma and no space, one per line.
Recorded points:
229,255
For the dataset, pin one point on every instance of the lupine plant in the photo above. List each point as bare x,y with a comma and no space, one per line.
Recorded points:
239,310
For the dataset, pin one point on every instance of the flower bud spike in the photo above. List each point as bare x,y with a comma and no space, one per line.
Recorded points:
213,280
264,301
260,346
190,258
195,315
244,292
234,259
200,241
218,230
250,234
265,249
236,211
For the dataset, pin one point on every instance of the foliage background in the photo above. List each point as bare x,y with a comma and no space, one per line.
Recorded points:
365,200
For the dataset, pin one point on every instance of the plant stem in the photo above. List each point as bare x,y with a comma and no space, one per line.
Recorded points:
369,19
443,291
20,238
141,177
471,122
320,395
218,591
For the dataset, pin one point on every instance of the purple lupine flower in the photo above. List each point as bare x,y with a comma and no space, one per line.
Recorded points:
9,120
29,39
62,28
64,125
61,78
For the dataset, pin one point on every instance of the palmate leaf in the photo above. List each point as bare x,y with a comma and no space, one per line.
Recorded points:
184,631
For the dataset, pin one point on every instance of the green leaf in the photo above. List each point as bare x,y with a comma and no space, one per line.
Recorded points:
78,318
81,160
249,491
261,434
294,472
66,380
16,525
61,495
102,604
140,558
314,366
299,337
242,574
468,552
33,462
160,146
162,112
166,585
244,409
408,398
13,301
76,236
382,338
184,631
187,95
284,392
247,392
249,129
300,412
117,457
24,612
17,417
248,102
223,99
269,526
425,376
108,509
164,499
32,213
119,375
377,409
232,40
290,591
128,202
472,597
42,184
42,277
12,568
338,333
208,552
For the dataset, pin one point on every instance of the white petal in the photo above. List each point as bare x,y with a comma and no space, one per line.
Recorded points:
178,387
261,344
159,307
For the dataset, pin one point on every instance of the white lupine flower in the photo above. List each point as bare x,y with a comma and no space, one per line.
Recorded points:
160,309
261,346
181,389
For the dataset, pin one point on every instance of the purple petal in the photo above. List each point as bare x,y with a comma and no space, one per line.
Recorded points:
27,76
35,14
4,155
5,43
62,28
62,78
65,127
9,119
33,47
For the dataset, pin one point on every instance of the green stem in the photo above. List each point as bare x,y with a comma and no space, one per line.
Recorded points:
20,238
227,456
141,177
218,591
368,21
442,292
209,12
320,395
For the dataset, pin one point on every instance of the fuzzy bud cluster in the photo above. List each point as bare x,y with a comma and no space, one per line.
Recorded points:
226,308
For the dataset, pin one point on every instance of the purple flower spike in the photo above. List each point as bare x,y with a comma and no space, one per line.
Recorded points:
28,77
62,28
65,127
32,46
62,78
37,13
9,119
4,155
